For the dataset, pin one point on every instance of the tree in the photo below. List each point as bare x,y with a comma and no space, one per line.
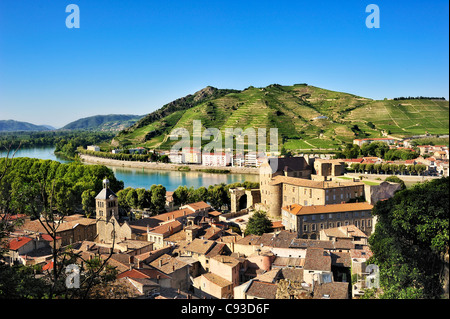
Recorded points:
88,202
258,224
396,179
218,196
132,198
411,236
420,168
158,198
181,195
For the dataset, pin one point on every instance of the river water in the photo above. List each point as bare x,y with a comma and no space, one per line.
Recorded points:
138,177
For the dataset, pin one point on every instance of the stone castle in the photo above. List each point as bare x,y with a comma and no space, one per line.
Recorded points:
293,180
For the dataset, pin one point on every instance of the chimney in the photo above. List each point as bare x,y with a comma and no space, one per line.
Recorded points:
160,263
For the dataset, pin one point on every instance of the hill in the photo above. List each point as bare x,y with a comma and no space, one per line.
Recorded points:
307,117
111,122
15,126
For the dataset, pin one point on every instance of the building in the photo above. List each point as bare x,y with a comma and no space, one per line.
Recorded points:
317,267
191,155
176,157
93,148
361,142
283,191
279,167
216,159
325,169
309,221
210,285
109,230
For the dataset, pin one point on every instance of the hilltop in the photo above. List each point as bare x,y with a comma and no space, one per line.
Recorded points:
110,122
307,117
15,126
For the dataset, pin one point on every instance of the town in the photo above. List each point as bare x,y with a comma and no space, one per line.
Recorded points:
316,249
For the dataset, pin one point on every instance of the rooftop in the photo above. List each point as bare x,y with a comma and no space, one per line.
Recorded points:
310,183
297,209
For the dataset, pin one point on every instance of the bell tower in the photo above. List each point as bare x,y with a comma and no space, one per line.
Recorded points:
106,207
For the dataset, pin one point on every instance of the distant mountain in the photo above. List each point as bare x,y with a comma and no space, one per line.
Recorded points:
111,122
14,126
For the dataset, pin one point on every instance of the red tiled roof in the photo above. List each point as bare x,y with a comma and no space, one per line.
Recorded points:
16,243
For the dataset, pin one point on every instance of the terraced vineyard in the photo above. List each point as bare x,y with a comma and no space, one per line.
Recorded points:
307,117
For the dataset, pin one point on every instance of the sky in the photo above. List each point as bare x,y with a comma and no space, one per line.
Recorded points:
132,57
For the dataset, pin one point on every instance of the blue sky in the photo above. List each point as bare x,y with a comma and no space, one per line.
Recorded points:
131,57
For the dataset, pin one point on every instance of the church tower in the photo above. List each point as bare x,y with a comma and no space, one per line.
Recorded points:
106,207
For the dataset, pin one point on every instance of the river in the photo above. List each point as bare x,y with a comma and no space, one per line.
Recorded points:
136,178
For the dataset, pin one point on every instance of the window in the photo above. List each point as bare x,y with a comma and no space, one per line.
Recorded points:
342,196
306,203
313,227
313,217
346,223
356,223
326,198
330,216
338,224
305,228
305,218
355,214
363,223
338,216
321,226
369,223
322,216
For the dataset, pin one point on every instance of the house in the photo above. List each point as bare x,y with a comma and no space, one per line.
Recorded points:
349,233
317,266
70,230
198,249
256,289
331,290
159,233
210,285
176,269
227,267
147,281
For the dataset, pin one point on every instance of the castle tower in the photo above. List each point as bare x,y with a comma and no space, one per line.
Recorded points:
106,207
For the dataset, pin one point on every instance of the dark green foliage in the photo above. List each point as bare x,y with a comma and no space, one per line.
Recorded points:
258,224
410,237
30,184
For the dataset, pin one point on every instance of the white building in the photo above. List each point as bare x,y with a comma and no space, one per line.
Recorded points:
216,159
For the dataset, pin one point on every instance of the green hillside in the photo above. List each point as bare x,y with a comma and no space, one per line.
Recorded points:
307,117
15,126
111,122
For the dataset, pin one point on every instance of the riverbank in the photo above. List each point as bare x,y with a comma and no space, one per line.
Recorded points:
163,166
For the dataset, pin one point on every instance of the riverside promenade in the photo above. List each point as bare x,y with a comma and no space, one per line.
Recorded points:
163,166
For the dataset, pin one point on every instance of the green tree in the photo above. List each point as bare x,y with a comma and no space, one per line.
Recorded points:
410,238
258,224
158,198
88,202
